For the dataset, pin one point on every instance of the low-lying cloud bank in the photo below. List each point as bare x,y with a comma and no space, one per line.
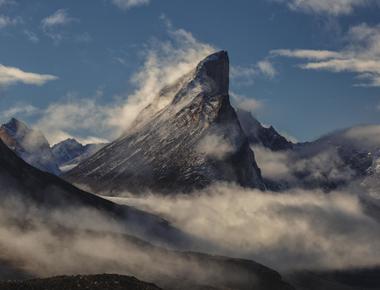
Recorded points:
293,230
82,241
286,166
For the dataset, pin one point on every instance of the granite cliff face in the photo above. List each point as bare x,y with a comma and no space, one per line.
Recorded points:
188,138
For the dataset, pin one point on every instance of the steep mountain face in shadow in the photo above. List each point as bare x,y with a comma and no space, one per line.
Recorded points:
69,153
188,138
28,188
29,144
258,135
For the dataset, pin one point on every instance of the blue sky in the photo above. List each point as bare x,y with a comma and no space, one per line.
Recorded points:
83,68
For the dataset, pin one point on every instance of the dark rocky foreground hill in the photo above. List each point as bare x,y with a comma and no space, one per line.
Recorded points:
98,282
188,138
351,279
27,188
95,282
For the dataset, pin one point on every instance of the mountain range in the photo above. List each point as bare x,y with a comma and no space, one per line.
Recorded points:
189,138
33,147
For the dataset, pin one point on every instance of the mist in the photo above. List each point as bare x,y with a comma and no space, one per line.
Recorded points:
78,240
293,230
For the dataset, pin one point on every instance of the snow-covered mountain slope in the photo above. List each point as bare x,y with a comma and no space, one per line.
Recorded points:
259,135
188,138
29,144
70,153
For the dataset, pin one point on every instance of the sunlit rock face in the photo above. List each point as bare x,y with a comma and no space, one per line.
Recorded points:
188,138
30,145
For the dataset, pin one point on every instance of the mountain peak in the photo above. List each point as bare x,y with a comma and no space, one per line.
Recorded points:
14,125
188,138
215,67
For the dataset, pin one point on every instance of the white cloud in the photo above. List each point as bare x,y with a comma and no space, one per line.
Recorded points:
291,230
127,4
12,75
306,53
52,25
365,135
243,74
330,7
245,103
58,18
267,68
215,146
82,119
274,165
19,109
361,56
246,75
7,21
285,166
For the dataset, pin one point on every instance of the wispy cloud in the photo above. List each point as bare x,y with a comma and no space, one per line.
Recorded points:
82,119
13,75
246,103
58,18
7,21
266,68
127,4
31,36
361,56
19,109
246,75
52,25
329,7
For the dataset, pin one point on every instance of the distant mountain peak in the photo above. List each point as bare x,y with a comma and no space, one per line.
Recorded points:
69,141
29,144
259,135
15,126
68,153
